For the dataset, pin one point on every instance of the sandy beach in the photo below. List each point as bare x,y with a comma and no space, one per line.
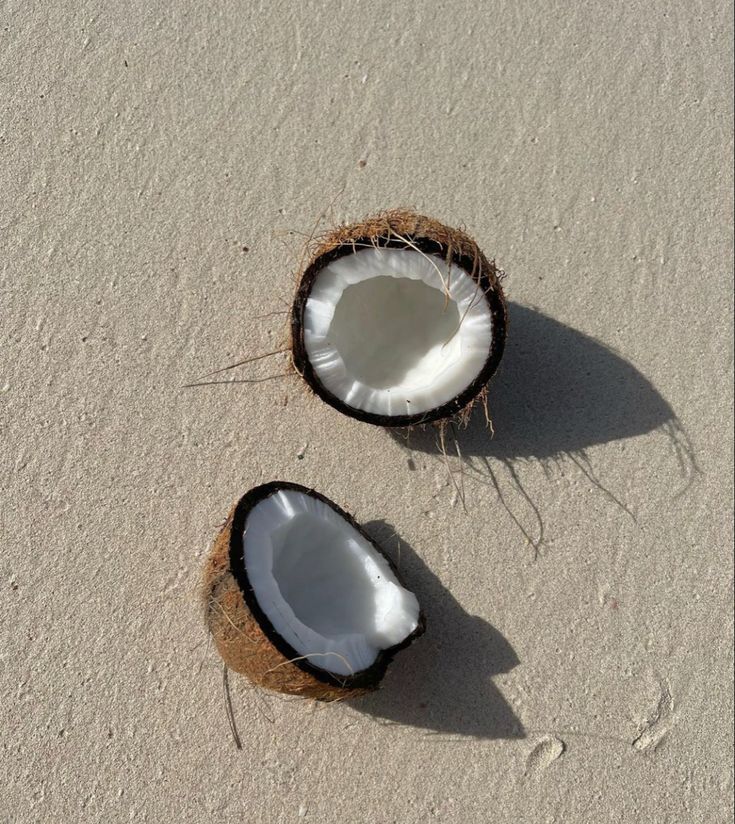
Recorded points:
162,166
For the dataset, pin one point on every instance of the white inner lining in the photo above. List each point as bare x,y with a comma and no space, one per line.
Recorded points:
395,331
322,585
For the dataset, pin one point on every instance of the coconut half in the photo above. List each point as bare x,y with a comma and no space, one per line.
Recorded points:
301,600
398,320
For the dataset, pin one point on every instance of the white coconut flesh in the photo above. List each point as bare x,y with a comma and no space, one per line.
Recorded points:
322,585
395,331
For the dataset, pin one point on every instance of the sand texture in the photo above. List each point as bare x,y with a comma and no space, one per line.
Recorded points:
161,165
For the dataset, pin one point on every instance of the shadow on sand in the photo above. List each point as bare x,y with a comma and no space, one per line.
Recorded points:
442,683
557,392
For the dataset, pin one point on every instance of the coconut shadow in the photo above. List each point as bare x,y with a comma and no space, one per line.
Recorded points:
557,391
442,682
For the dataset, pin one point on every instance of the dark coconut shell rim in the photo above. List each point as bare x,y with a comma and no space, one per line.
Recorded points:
491,291
364,679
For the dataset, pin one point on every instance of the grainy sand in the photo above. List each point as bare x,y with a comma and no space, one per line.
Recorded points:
159,164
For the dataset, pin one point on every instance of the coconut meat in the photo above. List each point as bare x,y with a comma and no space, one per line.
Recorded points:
323,586
396,331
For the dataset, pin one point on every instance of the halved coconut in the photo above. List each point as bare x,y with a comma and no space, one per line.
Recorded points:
301,600
398,320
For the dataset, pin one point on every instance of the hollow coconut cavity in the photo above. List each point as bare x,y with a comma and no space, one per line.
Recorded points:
398,320
301,600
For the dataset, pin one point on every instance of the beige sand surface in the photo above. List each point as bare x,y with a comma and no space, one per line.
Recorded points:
586,146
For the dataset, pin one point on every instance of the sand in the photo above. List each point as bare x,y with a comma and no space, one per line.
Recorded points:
160,163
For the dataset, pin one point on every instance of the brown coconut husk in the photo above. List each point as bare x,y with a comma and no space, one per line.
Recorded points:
242,633
402,228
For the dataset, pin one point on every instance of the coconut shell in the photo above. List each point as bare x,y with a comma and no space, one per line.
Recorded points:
403,229
244,636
